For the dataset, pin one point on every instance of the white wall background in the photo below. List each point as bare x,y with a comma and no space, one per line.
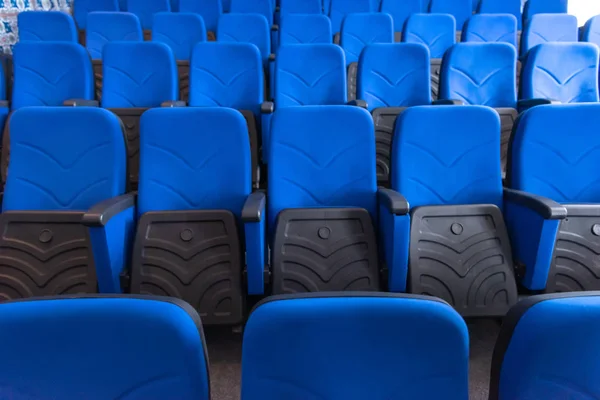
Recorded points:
584,9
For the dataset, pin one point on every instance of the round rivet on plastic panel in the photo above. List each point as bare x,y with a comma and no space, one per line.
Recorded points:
324,233
46,236
596,229
186,235
457,229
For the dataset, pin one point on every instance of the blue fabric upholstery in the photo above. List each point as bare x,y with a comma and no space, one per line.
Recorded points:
533,7
461,10
408,346
105,27
261,7
400,11
226,5
138,75
491,28
246,28
436,31
549,28
565,72
322,157
158,343
362,29
48,73
394,242
209,10
340,8
463,170
300,6
46,26
305,29
85,7
145,10
394,75
480,74
512,7
547,349
591,31
174,5
226,75
180,31
123,5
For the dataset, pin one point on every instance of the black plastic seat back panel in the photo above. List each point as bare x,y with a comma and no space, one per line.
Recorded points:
436,66
385,119
131,122
352,80
508,117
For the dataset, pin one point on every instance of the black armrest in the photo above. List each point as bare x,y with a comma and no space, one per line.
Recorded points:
336,38
267,107
358,103
394,201
173,103
101,213
548,209
4,103
271,57
523,105
444,102
274,28
253,207
81,103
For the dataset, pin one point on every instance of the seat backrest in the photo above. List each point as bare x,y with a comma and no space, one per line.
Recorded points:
105,27
400,11
547,348
457,149
46,26
145,10
310,74
159,339
262,7
301,6
436,31
49,73
180,31
340,8
549,28
82,8
203,163
533,7
480,74
394,75
461,10
138,75
591,31
512,7
491,28
305,29
416,343
565,72
555,153
321,157
64,158
209,10
226,75
246,28
361,29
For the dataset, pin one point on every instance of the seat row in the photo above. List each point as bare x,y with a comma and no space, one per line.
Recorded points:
330,346
196,231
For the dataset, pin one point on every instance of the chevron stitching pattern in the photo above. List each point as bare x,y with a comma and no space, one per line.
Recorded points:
567,80
360,42
304,81
500,38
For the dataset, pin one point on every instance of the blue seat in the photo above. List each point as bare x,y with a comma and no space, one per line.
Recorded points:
226,5
546,349
66,218
438,33
323,201
46,26
491,28
305,29
405,344
556,163
175,5
459,249
209,10
461,10
122,5
158,341
261,7
305,74
533,7
591,31
360,30
483,74
145,10
137,76
559,72
246,28
85,7
512,7
105,27
549,28
340,8
301,7
230,75
194,196
400,12
392,77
